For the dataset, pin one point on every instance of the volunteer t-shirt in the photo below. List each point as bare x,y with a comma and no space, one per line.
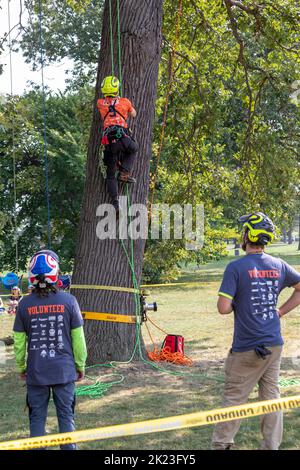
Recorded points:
48,322
254,283
108,108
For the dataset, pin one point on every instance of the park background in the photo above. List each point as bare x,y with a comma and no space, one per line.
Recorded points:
231,143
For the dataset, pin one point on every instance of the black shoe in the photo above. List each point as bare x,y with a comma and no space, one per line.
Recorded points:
116,205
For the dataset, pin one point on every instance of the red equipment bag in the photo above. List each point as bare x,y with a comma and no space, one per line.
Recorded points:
175,343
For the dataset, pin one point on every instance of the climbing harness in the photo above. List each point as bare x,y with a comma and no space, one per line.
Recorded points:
112,111
112,134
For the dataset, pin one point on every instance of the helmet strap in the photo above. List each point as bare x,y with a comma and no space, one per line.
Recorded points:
246,244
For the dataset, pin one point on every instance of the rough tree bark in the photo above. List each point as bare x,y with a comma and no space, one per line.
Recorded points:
290,236
103,262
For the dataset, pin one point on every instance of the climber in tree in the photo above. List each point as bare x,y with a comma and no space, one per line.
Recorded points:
120,147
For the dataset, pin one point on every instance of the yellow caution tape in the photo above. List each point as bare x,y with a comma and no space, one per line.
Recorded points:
173,284
113,288
129,289
114,317
201,418
124,289
9,295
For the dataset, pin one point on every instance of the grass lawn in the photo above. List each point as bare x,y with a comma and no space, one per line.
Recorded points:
146,393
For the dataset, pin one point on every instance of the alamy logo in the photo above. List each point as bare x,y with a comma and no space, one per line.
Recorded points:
174,222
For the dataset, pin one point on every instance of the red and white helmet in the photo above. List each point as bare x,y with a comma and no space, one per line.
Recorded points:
43,268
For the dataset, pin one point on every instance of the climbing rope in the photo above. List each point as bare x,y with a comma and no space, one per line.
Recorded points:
118,41
97,389
165,355
46,164
138,344
288,382
16,236
111,39
119,47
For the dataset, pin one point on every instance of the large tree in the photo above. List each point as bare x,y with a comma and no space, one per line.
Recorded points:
103,262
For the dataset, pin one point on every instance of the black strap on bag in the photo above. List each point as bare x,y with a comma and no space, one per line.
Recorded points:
112,109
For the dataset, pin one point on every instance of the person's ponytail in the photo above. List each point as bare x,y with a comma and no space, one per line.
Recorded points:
42,288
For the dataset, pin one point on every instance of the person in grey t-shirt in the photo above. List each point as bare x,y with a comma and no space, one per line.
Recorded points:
250,288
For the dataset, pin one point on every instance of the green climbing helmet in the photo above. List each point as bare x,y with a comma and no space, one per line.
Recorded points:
260,228
110,86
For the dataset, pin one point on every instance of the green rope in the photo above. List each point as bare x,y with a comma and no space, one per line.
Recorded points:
15,217
112,42
288,382
97,389
119,45
138,317
111,39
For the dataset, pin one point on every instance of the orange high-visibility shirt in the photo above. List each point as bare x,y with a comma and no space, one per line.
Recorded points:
111,118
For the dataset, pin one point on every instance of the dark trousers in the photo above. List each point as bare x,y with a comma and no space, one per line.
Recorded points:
123,151
38,397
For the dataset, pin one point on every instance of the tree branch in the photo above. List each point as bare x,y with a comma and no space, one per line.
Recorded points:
17,25
250,11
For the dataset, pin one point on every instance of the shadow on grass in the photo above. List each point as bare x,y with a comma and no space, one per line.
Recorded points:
144,394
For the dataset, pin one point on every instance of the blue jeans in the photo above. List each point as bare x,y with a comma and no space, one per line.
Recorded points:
38,397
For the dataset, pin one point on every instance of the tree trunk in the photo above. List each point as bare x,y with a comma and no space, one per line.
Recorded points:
284,233
103,262
290,236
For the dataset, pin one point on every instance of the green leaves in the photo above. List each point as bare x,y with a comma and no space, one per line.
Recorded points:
232,134
66,154
78,5
232,137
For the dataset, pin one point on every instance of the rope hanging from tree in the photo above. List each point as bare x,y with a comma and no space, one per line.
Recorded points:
16,235
46,163
118,41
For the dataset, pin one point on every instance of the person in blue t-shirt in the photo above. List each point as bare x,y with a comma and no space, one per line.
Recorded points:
250,288
48,327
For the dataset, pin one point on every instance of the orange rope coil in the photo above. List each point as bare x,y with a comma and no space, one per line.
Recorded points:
165,355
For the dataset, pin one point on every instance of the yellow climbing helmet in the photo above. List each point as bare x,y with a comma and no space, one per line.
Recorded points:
260,229
110,86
